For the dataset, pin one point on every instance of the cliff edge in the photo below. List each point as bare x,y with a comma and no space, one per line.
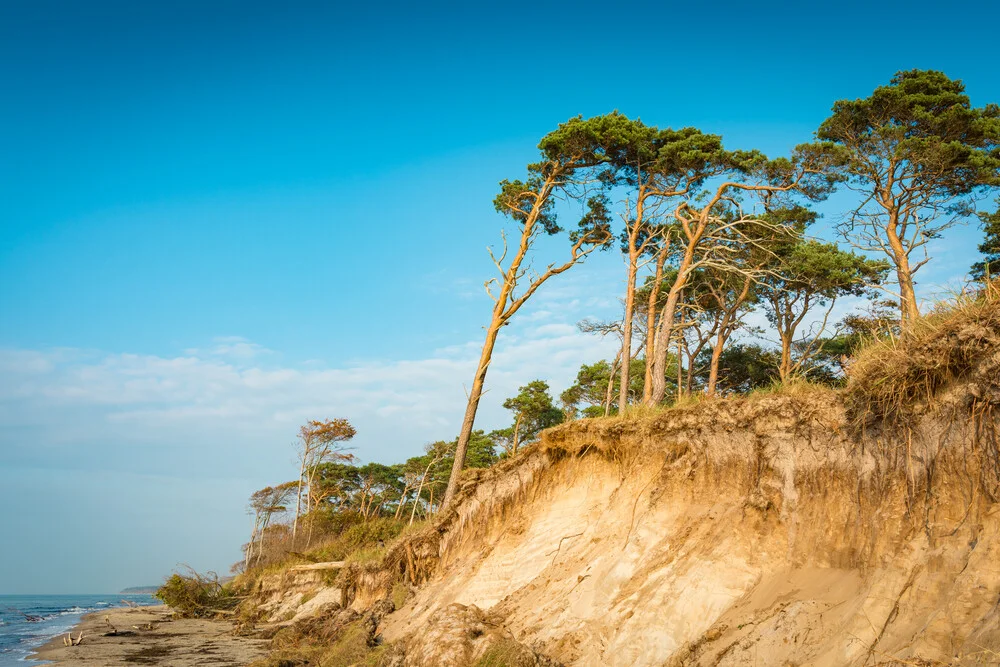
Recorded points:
804,526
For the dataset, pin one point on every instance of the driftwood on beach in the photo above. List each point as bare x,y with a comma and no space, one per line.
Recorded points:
69,641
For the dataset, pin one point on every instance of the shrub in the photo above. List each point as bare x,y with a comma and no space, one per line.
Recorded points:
358,537
196,595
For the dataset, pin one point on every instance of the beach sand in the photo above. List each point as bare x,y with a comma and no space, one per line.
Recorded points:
149,636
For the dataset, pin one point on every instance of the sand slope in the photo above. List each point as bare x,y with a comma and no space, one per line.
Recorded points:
739,534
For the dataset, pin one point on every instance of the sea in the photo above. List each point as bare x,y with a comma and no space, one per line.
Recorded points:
28,621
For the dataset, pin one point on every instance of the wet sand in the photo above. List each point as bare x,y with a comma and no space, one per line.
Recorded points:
149,636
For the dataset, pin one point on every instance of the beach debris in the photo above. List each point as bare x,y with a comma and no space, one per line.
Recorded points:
115,632
69,641
29,618
131,604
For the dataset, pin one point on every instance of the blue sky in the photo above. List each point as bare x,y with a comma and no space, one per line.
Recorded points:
219,219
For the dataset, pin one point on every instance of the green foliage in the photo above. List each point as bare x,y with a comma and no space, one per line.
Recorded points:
363,535
989,267
601,140
808,271
923,127
745,367
516,199
591,386
533,411
805,274
918,154
578,145
481,453
351,648
587,395
366,489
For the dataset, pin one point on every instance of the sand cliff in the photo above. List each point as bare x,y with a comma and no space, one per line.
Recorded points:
804,527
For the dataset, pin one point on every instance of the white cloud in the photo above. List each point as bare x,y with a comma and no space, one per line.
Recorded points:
70,404
232,347
24,362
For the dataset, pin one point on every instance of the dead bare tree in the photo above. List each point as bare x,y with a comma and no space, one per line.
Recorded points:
319,442
435,455
603,329
264,504
568,155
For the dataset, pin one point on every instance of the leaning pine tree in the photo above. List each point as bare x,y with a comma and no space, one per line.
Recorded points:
711,217
919,155
572,158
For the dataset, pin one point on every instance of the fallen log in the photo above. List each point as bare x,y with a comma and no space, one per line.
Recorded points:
331,565
69,641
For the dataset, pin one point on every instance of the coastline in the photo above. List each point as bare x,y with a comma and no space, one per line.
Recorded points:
151,636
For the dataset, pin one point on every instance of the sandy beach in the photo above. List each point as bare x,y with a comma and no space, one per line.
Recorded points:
150,636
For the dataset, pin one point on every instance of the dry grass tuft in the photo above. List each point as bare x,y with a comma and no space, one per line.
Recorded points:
352,648
946,369
893,380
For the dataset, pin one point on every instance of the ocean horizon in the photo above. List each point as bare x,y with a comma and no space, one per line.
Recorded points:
29,621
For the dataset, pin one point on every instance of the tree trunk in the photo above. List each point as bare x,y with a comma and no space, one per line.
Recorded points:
908,309
713,372
785,366
420,488
517,433
260,536
662,342
475,394
691,356
654,294
680,371
626,352
727,325
402,502
721,338
611,384
298,496
506,305
250,545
